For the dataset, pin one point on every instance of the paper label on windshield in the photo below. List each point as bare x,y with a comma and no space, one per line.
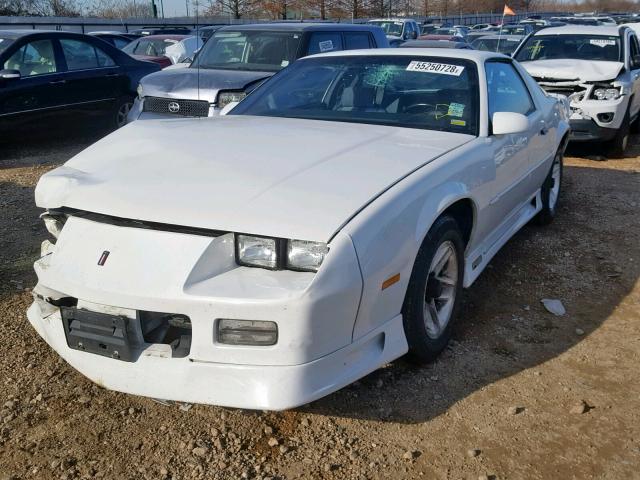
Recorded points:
431,67
284,63
326,46
455,110
602,42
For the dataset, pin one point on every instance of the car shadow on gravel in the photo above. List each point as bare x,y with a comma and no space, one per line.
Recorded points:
582,259
53,144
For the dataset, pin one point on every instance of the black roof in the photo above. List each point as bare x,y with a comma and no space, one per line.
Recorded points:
299,27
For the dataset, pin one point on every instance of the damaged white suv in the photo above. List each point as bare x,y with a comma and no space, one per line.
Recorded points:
598,70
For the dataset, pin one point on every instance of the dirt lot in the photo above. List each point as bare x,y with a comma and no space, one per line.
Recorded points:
504,401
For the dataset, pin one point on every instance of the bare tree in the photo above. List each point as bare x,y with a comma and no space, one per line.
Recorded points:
120,9
234,8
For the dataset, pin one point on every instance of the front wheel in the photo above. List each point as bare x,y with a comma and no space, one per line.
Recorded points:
434,291
618,145
550,191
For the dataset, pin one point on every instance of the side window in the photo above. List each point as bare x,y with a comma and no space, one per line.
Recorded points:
104,60
408,30
119,43
356,40
35,58
507,91
79,55
320,42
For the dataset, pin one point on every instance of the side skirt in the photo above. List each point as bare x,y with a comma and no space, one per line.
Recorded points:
477,261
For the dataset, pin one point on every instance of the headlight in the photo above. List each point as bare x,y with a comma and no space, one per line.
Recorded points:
140,91
307,256
279,253
256,251
602,93
54,222
225,98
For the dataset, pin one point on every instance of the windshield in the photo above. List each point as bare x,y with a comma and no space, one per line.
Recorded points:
249,50
576,47
390,27
151,47
506,46
4,43
404,91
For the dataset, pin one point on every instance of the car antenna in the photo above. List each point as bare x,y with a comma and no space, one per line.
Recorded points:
197,40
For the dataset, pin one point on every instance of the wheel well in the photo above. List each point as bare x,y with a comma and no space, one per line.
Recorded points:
462,213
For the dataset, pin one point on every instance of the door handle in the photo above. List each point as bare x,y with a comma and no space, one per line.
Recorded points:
57,82
112,75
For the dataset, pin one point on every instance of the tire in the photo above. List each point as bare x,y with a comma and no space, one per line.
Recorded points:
550,191
425,337
120,112
618,145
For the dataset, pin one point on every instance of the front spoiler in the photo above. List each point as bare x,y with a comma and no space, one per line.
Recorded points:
263,387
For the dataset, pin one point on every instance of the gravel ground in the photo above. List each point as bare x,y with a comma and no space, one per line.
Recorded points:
519,394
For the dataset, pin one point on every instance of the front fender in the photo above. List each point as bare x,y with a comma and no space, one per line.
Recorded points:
389,232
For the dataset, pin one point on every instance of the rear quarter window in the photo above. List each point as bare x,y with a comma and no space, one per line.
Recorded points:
322,42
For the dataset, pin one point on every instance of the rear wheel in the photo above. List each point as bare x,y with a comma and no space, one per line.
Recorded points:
550,191
121,111
434,291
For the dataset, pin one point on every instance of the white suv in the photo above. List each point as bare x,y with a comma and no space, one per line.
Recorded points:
598,70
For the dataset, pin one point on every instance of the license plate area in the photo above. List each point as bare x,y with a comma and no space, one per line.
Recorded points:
99,333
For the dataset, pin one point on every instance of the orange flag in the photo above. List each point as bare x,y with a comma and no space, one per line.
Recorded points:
508,11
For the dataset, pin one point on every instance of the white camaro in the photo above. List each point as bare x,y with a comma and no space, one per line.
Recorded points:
324,227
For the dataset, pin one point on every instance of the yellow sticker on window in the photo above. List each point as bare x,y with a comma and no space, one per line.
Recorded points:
460,123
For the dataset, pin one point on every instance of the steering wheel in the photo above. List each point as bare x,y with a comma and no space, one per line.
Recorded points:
420,108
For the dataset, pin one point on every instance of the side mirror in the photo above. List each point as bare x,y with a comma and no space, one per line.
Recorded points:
414,35
635,61
504,123
9,74
228,107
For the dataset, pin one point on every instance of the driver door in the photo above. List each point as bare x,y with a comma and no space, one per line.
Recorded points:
507,92
39,87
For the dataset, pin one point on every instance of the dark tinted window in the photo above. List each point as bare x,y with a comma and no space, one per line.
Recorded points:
507,91
354,41
120,43
321,42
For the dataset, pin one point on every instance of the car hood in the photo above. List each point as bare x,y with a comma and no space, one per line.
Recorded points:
193,83
270,176
574,70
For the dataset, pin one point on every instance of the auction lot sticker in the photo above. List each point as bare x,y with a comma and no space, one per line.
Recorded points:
431,67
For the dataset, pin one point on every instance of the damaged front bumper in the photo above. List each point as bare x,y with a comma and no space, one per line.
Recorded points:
196,279
590,119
